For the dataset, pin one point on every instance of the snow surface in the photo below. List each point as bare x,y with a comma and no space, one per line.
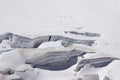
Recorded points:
15,60
38,17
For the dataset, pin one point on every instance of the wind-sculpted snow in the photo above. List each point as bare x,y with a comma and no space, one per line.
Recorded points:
5,36
36,52
96,62
56,60
88,34
68,41
24,58
91,77
25,42
6,50
7,72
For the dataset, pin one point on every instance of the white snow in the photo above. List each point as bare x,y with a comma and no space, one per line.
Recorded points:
42,17
10,60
